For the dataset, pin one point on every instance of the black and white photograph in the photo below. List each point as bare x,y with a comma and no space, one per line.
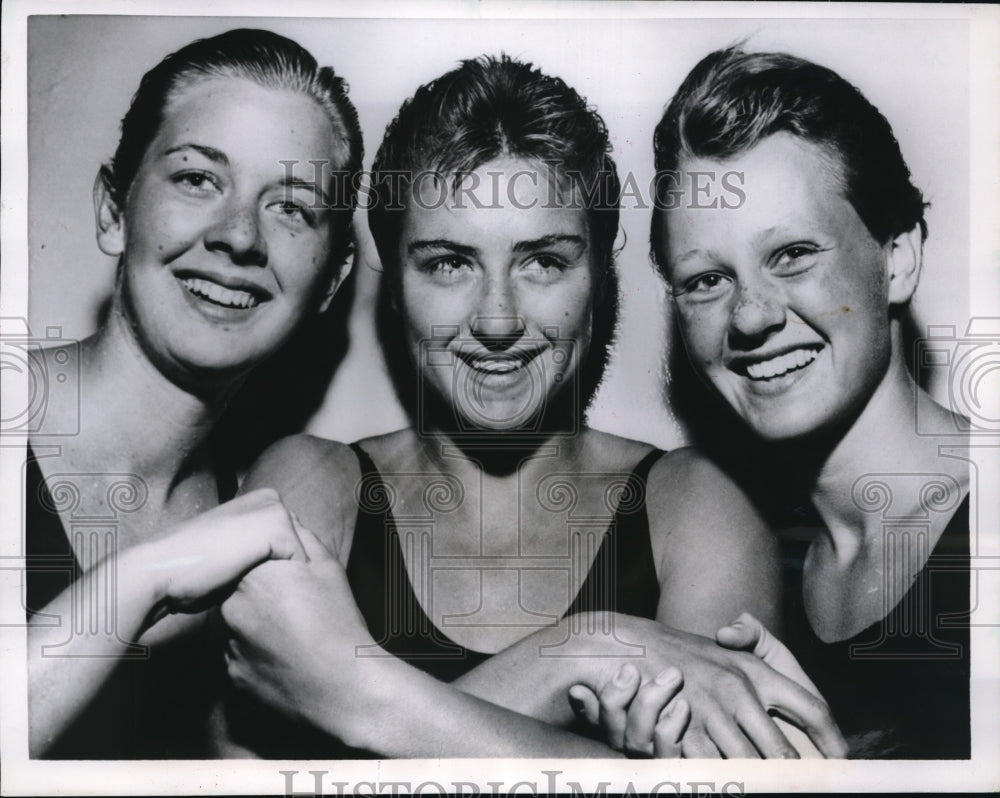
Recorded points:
499,398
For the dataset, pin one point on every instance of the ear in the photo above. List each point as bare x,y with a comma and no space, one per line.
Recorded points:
904,257
108,216
337,279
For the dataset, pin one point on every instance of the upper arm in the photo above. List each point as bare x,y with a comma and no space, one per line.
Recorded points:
315,479
716,555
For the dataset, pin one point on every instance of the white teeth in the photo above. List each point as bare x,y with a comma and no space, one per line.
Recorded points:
220,294
497,366
781,364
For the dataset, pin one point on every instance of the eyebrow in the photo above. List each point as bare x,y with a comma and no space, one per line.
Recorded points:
298,182
520,246
550,240
693,253
439,243
217,156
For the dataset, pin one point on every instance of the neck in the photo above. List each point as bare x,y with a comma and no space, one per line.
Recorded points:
134,418
498,452
881,444
498,455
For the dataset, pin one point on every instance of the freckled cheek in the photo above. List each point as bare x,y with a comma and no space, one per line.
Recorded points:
704,332
163,230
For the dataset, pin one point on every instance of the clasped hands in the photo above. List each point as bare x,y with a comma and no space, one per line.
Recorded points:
294,634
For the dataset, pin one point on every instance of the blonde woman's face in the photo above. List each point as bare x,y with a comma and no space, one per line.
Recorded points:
783,302
225,236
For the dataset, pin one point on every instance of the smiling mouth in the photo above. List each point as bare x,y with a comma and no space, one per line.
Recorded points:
218,294
506,363
781,365
504,366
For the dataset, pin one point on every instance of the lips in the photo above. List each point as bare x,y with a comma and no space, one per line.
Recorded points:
778,365
500,362
219,294
226,293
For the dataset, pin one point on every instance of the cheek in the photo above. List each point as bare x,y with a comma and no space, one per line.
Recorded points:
303,257
703,329
423,307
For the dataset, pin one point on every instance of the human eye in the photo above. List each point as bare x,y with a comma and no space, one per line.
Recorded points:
544,268
795,258
702,287
447,268
197,183
294,211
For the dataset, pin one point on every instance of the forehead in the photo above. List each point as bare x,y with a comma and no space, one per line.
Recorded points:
249,122
503,201
783,182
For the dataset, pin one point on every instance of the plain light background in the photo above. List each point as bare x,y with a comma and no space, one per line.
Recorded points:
82,71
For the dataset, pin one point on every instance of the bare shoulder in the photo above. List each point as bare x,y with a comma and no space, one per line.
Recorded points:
690,497
607,452
303,460
316,479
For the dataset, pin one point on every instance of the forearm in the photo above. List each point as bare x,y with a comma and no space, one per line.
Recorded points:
403,712
100,616
533,676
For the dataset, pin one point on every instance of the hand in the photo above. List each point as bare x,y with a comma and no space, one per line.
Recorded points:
641,721
729,692
746,633
294,638
196,565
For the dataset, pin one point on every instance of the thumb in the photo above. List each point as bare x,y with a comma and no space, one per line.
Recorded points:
749,634
585,703
744,634
313,547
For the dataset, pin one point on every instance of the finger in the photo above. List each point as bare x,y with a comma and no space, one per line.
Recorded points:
644,712
670,728
762,730
747,633
805,709
312,545
729,738
697,745
585,704
736,636
615,698
253,500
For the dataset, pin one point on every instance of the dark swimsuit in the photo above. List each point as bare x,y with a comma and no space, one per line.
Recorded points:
900,688
621,579
153,705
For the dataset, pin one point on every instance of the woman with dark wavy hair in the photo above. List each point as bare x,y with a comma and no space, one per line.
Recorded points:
500,544
792,307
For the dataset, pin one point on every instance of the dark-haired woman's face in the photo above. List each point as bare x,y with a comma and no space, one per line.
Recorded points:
783,302
496,293
225,238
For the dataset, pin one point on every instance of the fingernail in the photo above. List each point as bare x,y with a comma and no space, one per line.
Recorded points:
677,706
668,676
625,675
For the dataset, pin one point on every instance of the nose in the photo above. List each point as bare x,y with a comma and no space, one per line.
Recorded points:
759,311
237,233
496,323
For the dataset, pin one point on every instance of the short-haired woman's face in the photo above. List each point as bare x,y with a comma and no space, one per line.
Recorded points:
783,302
224,235
496,291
